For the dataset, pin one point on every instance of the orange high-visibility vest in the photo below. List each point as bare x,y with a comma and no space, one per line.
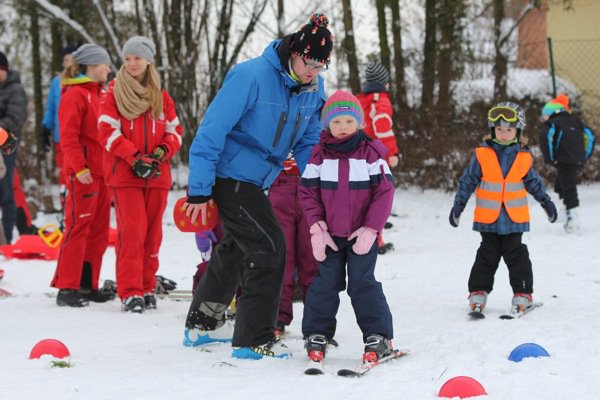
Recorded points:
495,190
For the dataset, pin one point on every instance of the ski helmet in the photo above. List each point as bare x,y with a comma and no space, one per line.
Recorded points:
507,114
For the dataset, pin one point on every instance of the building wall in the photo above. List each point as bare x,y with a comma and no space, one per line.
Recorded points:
575,37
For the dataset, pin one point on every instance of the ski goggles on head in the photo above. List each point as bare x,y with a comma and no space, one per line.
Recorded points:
506,113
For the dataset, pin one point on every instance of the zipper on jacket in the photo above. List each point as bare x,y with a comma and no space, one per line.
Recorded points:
282,120
296,128
145,140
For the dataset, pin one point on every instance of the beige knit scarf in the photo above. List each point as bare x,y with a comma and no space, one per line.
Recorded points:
133,99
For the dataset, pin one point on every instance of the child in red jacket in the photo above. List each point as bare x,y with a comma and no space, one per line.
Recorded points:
378,111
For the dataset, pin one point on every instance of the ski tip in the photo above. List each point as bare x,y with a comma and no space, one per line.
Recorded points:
348,373
476,315
314,371
506,316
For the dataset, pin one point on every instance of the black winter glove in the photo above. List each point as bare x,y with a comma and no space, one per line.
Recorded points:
455,213
46,142
550,210
159,153
145,167
8,141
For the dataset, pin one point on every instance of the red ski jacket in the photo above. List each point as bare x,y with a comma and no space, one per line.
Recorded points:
378,112
123,138
78,124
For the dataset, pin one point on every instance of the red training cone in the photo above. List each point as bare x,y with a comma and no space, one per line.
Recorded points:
461,386
51,347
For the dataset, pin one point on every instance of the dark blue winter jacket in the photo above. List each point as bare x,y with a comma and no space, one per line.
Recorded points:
471,178
258,116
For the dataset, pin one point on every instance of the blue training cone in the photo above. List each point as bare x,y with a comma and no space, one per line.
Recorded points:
527,350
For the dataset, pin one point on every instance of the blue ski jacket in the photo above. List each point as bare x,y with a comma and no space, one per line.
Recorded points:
258,116
50,120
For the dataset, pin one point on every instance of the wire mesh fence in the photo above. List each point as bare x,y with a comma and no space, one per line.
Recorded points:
578,61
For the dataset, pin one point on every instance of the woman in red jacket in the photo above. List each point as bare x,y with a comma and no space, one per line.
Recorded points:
87,204
140,130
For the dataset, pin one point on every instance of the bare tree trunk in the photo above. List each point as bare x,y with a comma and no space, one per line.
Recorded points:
349,46
280,19
400,89
383,39
57,46
500,59
150,16
139,17
35,168
451,11
429,58
34,30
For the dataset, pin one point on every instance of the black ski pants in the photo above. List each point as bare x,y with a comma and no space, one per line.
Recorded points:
251,255
565,184
516,256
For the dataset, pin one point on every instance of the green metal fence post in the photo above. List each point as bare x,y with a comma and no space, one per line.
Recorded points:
552,71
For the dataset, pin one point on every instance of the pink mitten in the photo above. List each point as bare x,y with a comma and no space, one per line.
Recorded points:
319,239
365,237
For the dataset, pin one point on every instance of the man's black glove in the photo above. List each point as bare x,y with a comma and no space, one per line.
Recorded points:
145,167
454,216
46,139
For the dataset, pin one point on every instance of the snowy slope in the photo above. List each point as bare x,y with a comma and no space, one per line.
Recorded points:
122,356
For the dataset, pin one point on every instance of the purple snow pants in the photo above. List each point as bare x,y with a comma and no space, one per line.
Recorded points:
283,195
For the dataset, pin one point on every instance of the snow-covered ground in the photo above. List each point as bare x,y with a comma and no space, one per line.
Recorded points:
123,356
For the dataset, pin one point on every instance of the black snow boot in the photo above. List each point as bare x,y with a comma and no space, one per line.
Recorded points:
71,298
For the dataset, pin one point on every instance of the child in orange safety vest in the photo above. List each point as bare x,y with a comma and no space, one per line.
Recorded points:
501,174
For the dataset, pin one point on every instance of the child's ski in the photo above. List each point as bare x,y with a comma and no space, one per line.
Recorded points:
366,367
476,313
314,368
516,314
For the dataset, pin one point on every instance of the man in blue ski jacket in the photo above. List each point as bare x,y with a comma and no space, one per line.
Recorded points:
267,107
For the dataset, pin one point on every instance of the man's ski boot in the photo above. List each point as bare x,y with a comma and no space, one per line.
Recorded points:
521,301
193,337
316,347
477,300
273,348
376,347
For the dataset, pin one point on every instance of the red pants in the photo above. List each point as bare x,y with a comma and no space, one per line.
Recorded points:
139,235
58,159
87,217
20,200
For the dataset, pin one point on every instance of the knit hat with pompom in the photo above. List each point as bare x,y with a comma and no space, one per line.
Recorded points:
313,40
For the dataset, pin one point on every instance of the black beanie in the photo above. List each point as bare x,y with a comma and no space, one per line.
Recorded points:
69,49
3,62
313,40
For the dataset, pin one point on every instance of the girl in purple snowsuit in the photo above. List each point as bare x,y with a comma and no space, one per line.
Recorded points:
283,195
347,193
